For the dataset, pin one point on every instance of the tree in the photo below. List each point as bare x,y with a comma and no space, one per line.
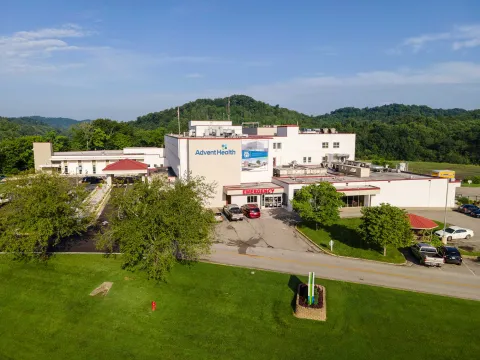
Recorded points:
319,203
155,222
385,225
43,209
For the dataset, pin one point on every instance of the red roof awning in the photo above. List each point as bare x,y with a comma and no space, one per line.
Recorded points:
126,165
420,222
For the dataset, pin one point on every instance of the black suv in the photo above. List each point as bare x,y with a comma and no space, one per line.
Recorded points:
450,254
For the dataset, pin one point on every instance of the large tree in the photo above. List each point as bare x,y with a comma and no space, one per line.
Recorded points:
44,209
153,223
319,203
385,225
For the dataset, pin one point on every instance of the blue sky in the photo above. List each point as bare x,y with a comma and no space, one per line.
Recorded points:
121,59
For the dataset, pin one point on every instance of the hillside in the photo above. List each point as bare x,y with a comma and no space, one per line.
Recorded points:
57,122
16,127
395,131
242,108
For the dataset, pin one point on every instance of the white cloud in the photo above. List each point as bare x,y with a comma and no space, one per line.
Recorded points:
194,76
450,84
466,36
25,51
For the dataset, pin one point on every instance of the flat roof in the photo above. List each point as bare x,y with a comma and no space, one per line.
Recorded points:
334,177
245,186
90,153
221,137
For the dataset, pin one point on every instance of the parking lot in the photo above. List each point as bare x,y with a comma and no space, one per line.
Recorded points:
274,229
458,219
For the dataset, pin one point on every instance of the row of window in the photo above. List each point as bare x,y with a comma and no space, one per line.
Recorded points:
307,160
325,145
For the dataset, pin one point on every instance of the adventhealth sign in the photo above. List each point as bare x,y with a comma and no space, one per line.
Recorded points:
222,151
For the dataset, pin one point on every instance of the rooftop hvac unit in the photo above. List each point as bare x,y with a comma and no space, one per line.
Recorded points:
325,130
333,131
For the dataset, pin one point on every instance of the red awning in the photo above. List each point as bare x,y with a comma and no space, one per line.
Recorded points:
126,165
420,222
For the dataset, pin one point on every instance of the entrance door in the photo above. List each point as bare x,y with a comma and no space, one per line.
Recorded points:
273,201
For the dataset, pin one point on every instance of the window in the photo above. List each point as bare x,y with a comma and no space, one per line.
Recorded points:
252,199
94,167
277,145
304,160
274,145
324,145
309,159
336,145
66,169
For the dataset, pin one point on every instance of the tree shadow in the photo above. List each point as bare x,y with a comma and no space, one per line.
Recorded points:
293,283
289,218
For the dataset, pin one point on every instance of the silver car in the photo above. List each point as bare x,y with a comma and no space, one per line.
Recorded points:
233,212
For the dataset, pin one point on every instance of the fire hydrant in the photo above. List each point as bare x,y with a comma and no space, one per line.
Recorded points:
154,305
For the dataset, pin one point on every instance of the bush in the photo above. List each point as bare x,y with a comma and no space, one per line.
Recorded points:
463,200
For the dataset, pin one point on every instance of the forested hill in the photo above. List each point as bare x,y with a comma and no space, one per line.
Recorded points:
57,122
392,132
16,127
242,108
395,131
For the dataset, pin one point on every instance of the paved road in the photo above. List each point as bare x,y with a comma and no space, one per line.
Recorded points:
426,280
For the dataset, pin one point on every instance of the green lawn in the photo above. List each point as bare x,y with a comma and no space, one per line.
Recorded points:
460,170
470,185
217,312
347,241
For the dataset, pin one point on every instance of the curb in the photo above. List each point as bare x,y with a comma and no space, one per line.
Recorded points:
344,257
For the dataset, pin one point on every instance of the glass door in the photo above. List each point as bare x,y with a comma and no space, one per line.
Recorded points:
268,201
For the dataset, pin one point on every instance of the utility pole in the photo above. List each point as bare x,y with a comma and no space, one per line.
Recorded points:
228,109
444,237
178,119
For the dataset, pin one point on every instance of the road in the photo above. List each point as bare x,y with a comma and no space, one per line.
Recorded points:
427,280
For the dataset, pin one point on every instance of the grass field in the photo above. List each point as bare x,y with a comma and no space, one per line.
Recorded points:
347,241
217,312
460,170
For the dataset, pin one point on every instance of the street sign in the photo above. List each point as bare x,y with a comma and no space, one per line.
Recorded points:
331,245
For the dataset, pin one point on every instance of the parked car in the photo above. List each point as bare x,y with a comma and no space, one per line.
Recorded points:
427,255
218,216
455,232
251,211
467,208
233,212
475,214
450,254
91,180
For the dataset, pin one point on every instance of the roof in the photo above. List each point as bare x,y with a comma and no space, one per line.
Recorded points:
420,222
126,164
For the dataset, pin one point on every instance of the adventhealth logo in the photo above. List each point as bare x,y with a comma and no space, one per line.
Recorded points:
223,151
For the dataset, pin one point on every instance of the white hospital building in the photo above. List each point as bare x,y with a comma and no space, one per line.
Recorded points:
266,165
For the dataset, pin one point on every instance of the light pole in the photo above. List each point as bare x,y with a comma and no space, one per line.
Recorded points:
444,237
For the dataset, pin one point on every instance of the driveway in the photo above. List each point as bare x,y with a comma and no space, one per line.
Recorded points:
274,229
429,280
458,219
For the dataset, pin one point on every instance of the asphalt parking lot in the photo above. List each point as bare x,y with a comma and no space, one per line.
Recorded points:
458,219
274,229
